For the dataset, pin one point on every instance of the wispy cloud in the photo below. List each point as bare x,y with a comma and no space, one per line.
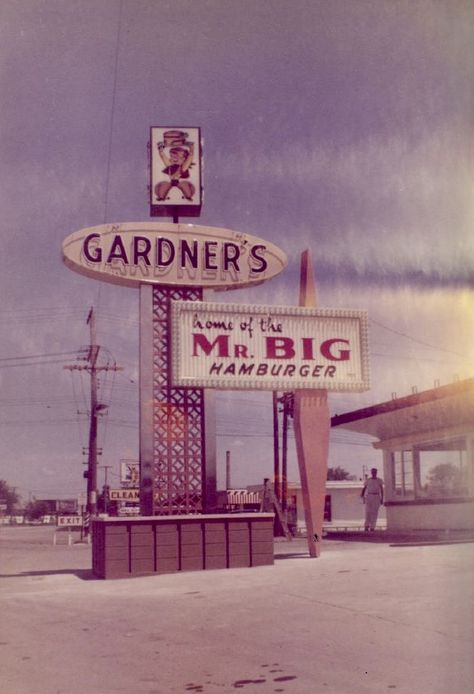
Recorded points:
383,209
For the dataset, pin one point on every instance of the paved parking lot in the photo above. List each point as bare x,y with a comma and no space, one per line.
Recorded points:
364,617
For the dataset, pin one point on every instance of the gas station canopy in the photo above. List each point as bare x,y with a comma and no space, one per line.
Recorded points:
439,410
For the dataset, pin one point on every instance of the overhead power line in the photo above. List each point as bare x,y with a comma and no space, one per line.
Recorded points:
420,342
33,363
423,358
34,422
38,356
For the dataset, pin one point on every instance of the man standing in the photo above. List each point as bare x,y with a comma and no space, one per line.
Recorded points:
372,496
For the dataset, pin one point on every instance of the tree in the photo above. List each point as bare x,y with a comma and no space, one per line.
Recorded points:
8,496
445,477
337,473
36,509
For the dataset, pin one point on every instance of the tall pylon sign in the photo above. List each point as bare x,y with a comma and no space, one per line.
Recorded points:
190,347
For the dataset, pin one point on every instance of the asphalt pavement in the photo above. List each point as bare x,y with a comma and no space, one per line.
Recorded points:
366,616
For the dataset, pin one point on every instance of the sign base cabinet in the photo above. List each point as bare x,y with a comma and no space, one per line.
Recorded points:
141,546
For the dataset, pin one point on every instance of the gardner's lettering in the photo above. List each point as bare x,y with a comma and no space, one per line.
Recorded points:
164,252
257,253
117,251
92,251
141,249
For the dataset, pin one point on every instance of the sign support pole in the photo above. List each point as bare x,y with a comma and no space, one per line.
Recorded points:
312,425
146,400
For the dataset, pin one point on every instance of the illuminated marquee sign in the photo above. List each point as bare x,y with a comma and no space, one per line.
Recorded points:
175,171
268,347
133,253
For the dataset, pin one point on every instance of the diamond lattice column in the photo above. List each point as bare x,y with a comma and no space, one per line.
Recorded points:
172,424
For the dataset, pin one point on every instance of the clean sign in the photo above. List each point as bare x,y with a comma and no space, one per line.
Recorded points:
124,495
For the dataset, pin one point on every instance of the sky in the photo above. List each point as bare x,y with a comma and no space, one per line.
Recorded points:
343,127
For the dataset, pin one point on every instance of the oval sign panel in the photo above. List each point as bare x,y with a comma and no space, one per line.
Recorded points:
134,253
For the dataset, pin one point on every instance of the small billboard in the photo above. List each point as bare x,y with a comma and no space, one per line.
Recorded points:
175,171
129,473
233,346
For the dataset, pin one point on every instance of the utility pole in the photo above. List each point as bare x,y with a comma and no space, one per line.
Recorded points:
276,447
95,408
227,470
92,460
284,457
287,399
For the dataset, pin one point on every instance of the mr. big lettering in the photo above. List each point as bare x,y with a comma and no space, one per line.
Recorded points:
335,349
284,348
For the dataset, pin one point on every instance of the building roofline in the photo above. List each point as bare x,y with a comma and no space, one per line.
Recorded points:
408,401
